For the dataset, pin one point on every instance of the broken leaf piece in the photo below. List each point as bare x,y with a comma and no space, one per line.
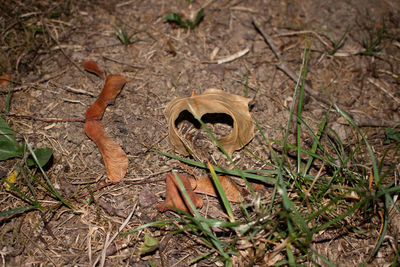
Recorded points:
174,199
5,80
205,185
213,101
115,159
92,67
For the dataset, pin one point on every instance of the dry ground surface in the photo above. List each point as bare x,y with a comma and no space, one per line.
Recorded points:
43,44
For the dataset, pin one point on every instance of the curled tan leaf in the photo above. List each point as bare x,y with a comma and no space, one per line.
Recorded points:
92,67
114,157
213,101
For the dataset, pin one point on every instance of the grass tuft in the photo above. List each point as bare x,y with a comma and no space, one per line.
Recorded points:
314,189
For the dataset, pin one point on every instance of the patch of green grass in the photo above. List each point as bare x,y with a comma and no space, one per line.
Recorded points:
26,169
338,43
123,36
374,35
175,18
314,188
373,40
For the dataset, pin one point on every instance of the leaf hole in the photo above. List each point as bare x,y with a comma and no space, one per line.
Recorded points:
220,124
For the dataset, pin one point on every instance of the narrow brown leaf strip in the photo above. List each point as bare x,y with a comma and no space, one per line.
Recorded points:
5,80
174,199
114,157
112,87
92,67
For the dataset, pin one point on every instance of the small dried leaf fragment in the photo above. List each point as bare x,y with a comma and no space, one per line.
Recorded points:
5,80
174,199
92,67
114,157
213,101
205,185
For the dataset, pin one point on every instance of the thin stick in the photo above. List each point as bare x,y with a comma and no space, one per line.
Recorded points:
123,63
28,117
109,241
233,57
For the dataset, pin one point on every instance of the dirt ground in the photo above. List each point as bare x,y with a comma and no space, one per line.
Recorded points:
161,63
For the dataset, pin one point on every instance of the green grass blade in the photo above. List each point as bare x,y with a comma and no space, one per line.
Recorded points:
53,190
247,174
314,146
22,195
203,226
29,184
300,108
292,261
17,210
370,152
325,260
198,18
221,193
340,217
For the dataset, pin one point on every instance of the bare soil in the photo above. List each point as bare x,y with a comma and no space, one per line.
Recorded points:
161,63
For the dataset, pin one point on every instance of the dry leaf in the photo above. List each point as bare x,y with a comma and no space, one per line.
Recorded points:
5,80
213,101
174,199
114,157
112,87
205,185
92,67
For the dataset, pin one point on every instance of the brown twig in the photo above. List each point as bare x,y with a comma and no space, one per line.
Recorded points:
47,226
360,121
124,63
28,117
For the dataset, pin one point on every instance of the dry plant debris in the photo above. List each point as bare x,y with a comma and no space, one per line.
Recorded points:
174,199
213,101
5,80
92,67
114,157
204,185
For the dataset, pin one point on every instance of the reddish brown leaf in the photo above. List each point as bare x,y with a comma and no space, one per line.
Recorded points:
5,80
205,185
114,157
92,67
112,87
174,199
